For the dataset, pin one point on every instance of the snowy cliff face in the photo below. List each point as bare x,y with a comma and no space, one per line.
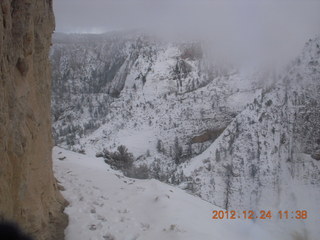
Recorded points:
270,148
236,139
153,96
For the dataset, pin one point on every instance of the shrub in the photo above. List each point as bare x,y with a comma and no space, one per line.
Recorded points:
121,159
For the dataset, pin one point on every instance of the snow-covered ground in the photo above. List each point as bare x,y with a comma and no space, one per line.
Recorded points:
106,205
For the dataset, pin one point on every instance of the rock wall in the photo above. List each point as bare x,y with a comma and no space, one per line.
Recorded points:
28,190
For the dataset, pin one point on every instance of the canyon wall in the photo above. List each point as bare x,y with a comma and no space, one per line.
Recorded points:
28,190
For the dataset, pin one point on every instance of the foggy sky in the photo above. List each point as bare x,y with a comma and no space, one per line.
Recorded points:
263,26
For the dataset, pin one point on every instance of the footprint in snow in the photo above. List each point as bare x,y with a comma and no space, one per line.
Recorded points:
98,204
92,227
104,198
173,228
109,237
145,226
101,218
123,211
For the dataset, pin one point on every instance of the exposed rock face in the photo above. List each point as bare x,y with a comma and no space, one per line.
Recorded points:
211,134
28,191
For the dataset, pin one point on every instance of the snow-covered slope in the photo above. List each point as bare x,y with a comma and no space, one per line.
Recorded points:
106,205
152,96
270,148
213,130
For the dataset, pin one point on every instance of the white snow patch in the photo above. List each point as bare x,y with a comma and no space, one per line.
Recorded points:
106,205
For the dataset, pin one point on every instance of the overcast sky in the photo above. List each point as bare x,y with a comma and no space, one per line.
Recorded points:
264,25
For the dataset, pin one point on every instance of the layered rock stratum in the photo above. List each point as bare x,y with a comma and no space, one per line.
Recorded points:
28,191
